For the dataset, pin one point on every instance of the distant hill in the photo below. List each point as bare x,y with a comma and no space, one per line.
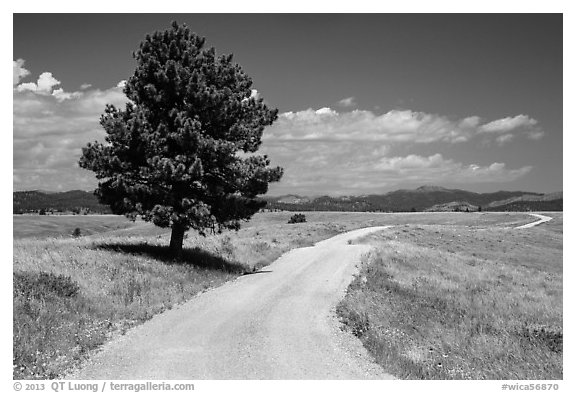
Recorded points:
527,198
453,207
70,201
290,199
547,202
419,199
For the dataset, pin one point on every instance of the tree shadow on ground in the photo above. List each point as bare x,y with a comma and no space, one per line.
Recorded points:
190,256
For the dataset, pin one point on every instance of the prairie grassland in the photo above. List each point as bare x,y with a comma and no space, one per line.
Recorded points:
26,226
454,302
73,294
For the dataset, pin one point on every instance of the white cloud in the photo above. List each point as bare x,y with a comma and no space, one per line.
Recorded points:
85,86
46,82
61,95
437,169
326,111
347,102
346,153
28,86
535,135
121,84
508,124
350,153
19,71
50,131
393,126
44,85
409,162
360,167
396,126
505,138
470,122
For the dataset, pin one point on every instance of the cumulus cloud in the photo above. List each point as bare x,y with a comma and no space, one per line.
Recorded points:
395,126
44,85
321,150
325,111
19,71
508,124
85,86
438,169
359,167
347,102
61,95
469,122
50,128
353,152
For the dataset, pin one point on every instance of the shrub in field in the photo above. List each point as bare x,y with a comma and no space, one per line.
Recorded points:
39,285
545,335
77,232
296,218
358,322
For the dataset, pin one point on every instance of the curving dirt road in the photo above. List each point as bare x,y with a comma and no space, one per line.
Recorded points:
541,219
277,324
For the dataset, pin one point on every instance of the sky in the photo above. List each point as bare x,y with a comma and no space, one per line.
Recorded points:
368,103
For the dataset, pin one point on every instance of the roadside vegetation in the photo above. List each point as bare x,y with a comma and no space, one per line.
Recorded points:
72,294
459,302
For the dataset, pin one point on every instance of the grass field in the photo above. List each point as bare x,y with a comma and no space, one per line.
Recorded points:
35,226
73,294
461,302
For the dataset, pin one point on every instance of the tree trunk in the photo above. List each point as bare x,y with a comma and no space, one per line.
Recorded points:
176,240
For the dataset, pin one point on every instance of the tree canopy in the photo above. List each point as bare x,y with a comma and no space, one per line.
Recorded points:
182,153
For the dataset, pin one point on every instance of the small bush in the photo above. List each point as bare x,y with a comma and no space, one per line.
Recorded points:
549,336
357,322
39,285
296,218
77,232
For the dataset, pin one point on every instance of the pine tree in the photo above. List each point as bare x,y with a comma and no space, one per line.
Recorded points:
182,153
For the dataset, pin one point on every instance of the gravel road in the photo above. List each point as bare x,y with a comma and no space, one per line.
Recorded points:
541,219
277,324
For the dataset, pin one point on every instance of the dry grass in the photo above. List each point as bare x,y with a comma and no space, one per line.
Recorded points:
449,302
124,276
116,291
34,226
